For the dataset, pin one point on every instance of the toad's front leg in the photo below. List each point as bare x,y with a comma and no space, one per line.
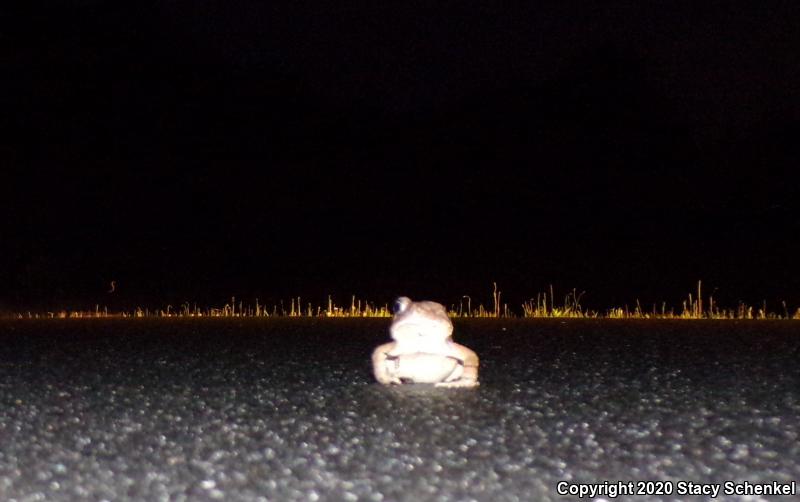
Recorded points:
467,372
382,367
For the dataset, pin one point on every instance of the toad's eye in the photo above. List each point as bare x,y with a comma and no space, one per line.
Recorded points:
401,304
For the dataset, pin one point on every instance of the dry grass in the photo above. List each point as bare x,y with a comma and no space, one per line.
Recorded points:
543,305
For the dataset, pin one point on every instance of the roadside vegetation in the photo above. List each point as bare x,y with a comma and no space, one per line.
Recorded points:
543,305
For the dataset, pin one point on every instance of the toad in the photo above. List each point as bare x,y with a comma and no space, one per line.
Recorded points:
423,350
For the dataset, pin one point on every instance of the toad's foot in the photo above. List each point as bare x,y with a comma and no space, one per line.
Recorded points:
462,383
468,376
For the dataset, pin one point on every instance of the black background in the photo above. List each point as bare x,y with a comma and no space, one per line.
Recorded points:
194,151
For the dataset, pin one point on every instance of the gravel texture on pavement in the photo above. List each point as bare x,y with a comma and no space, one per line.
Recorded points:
287,409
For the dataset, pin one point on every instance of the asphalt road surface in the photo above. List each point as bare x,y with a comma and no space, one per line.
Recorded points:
287,409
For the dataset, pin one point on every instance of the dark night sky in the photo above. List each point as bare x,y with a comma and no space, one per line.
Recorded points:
202,150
